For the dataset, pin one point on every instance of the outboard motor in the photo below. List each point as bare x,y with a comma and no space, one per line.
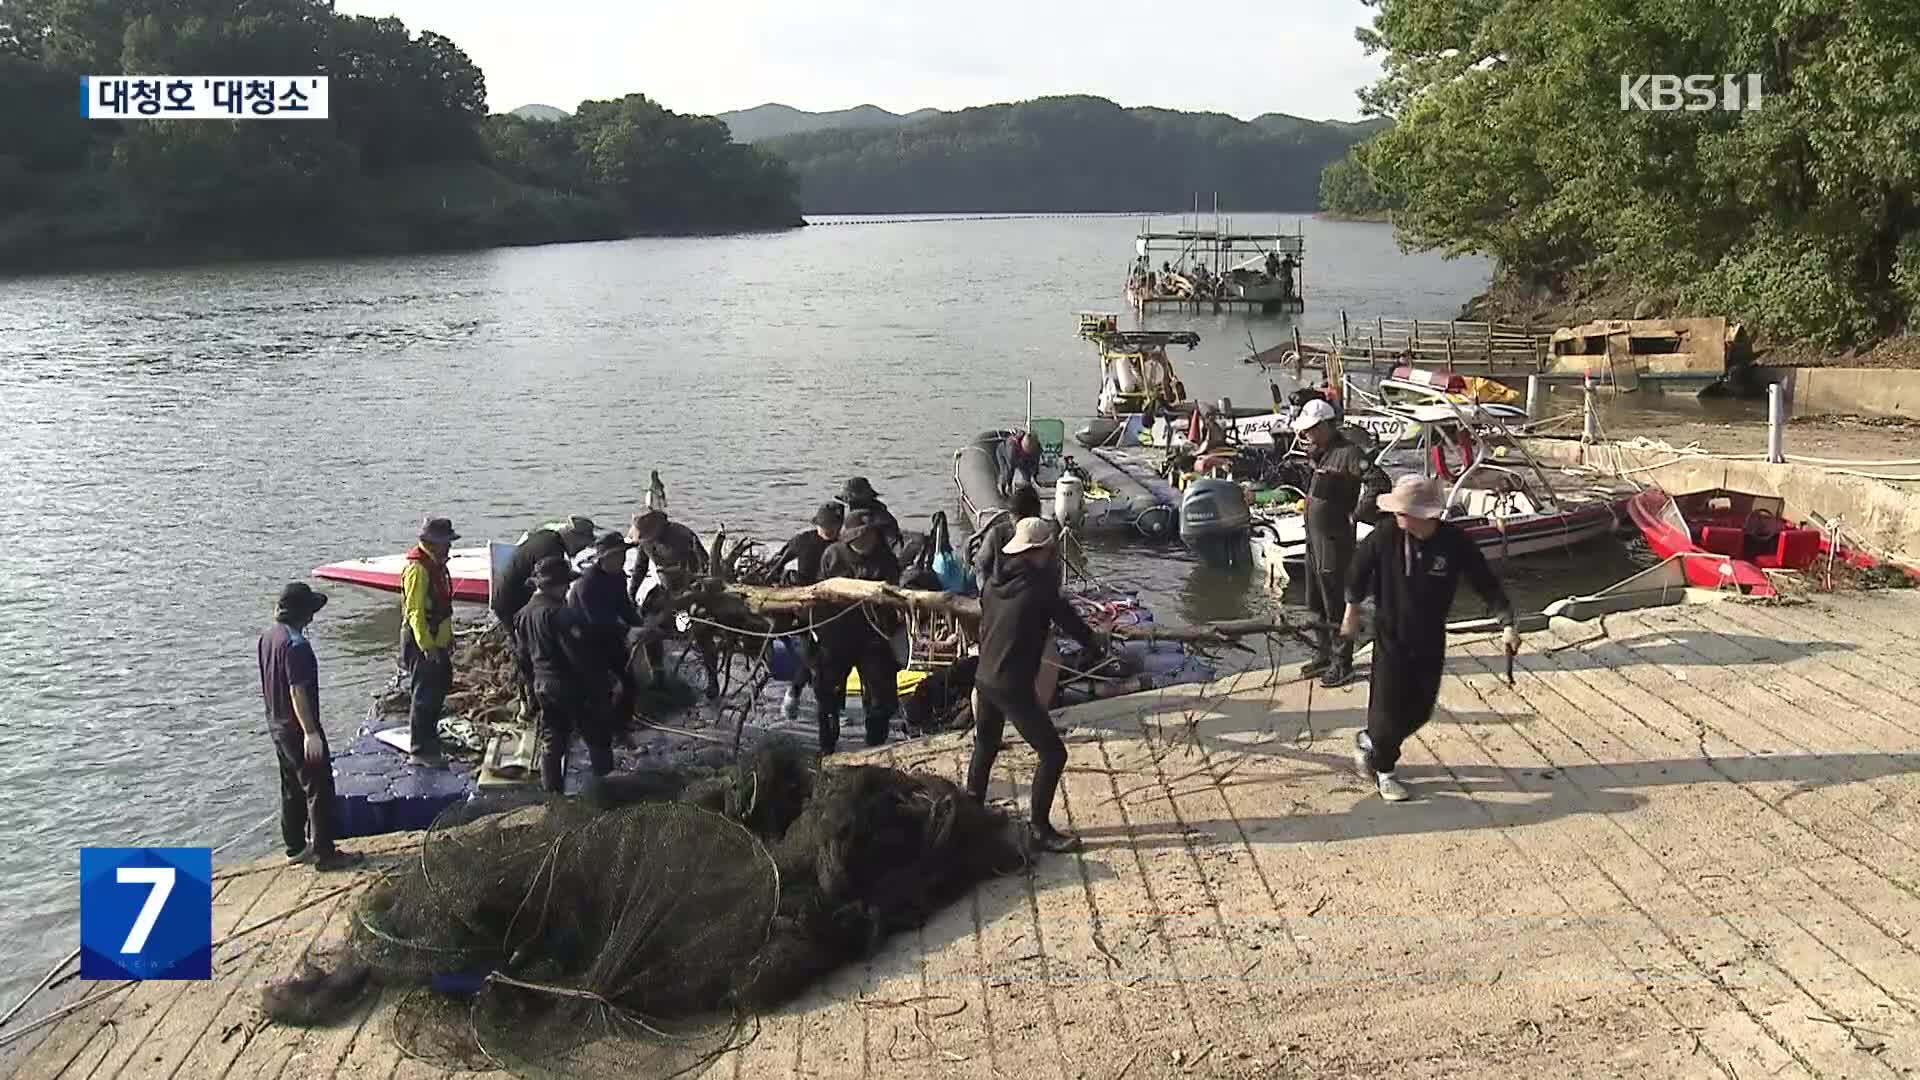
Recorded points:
1069,501
1215,522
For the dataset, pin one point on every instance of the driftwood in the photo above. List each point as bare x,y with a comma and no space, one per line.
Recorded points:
775,602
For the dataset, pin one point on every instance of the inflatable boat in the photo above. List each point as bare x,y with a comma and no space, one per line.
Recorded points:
1095,491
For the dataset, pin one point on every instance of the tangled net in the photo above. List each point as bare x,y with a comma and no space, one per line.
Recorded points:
638,929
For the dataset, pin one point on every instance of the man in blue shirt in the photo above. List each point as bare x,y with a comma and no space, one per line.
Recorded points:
290,688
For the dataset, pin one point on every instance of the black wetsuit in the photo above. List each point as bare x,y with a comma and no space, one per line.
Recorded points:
570,681
512,587
1413,584
851,640
1019,608
1344,488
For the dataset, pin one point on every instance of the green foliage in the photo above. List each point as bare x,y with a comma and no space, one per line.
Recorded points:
407,110
1061,154
1509,140
1347,188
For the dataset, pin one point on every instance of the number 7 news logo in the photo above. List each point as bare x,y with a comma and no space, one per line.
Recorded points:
146,913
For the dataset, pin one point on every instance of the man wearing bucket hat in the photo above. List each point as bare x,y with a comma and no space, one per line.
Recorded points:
513,587
600,597
1019,608
570,676
1412,566
804,551
290,688
857,639
426,636
859,496
1343,489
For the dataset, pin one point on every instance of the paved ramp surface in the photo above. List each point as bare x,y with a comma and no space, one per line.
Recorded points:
1685,844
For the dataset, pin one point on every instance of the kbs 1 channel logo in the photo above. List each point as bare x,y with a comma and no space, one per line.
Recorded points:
146,913
203,97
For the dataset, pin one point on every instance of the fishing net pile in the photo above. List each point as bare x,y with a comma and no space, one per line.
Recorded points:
638,929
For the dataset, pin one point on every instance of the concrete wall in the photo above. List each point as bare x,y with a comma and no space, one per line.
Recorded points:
1881,514
1855,392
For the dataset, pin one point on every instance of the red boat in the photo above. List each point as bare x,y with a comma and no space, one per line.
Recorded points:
467,566
1729,539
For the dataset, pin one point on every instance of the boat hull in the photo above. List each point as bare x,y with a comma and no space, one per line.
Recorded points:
1124,496
1281,542
469,567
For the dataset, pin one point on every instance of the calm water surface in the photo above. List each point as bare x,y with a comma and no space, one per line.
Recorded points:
179,443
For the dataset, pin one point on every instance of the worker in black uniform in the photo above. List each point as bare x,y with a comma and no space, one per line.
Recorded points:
805,551
1411,565
1343,490
986,556
859,497
600,597
512,585
857,639
660,541
1019,608
570,678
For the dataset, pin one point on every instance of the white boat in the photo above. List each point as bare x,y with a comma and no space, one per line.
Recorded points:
1497,493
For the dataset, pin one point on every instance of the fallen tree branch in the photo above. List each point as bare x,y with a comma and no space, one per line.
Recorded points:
797,600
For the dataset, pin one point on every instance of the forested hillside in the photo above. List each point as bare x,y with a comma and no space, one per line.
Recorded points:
1065,154
408,160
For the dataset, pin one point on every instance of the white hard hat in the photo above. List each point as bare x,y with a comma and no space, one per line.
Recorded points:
1312,414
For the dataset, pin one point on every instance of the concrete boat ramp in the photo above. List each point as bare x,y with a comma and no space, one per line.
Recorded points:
1686,843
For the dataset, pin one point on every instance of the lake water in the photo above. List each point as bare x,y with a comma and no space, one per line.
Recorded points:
179,443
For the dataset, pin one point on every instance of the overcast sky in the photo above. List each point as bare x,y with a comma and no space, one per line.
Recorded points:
707,56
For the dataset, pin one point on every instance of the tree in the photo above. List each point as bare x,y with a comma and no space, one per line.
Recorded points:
1346,187
1510,140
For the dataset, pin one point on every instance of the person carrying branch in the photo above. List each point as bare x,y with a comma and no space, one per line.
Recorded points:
1019,609
1411,566
851,640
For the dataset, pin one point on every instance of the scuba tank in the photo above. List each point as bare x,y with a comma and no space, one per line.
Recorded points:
1069,501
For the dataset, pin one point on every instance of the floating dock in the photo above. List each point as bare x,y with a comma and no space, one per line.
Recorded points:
1683,844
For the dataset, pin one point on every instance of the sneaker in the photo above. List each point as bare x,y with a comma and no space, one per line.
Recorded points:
1049,839
1392,790
1337,676
1315,666
1362,746
340,860
295,858
790,704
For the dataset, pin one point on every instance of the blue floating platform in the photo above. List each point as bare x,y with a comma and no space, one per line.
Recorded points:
375,791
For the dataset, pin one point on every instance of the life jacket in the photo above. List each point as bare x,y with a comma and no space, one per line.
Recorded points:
440,587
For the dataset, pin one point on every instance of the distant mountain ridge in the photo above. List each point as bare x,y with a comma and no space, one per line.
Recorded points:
539,112
773,120
1063,154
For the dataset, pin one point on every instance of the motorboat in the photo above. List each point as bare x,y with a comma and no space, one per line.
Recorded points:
1732,540
471,569
1496,492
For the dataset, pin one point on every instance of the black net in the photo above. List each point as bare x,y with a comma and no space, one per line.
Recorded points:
634,931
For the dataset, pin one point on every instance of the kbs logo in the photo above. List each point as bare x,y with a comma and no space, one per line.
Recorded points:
146,913
1690,93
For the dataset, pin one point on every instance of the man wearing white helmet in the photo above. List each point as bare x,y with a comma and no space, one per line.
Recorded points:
1343,490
